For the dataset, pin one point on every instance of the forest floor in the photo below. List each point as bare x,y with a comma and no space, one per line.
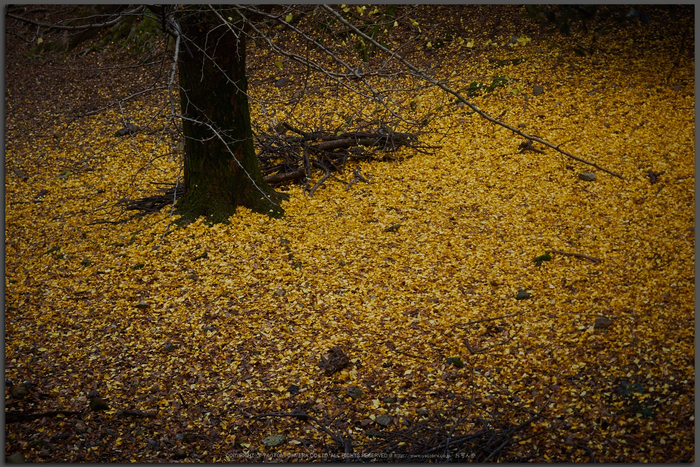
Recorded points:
424,278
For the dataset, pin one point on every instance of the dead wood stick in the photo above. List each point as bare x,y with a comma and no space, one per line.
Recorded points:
449,90
323,179
330,161
359,176
298,131
577,255
307,166
283,177
345,143
19,173
474,352
351,183
22,416
410,355
393,348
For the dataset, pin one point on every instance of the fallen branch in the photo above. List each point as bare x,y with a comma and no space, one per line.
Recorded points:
153,203
347,187
323,179
11,417
284,177
20,174
577,255
298,131
359,176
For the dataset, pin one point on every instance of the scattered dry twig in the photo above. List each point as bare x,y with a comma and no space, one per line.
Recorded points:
490,319
577,255
11,417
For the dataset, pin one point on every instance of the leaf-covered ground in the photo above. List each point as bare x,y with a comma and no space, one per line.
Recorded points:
204,327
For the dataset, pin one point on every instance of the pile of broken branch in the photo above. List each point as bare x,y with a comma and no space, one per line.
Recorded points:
464,433
287,158
155,203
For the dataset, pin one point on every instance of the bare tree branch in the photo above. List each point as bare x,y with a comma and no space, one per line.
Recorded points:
376,95
449,90
116,20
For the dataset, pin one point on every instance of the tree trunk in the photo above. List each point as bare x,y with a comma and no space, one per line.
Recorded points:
221,169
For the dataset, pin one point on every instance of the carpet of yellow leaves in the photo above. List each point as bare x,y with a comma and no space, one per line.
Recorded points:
253,316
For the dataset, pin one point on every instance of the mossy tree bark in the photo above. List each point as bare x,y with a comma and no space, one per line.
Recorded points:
220,167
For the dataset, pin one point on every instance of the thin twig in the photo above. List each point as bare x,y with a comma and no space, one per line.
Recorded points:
235,380
48,26
323,179
359,176
474,352
577,255
406,353
22,416
588,450
490,319
301,415
449,90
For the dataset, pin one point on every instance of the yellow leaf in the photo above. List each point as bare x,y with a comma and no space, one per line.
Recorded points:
289,17
39,41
